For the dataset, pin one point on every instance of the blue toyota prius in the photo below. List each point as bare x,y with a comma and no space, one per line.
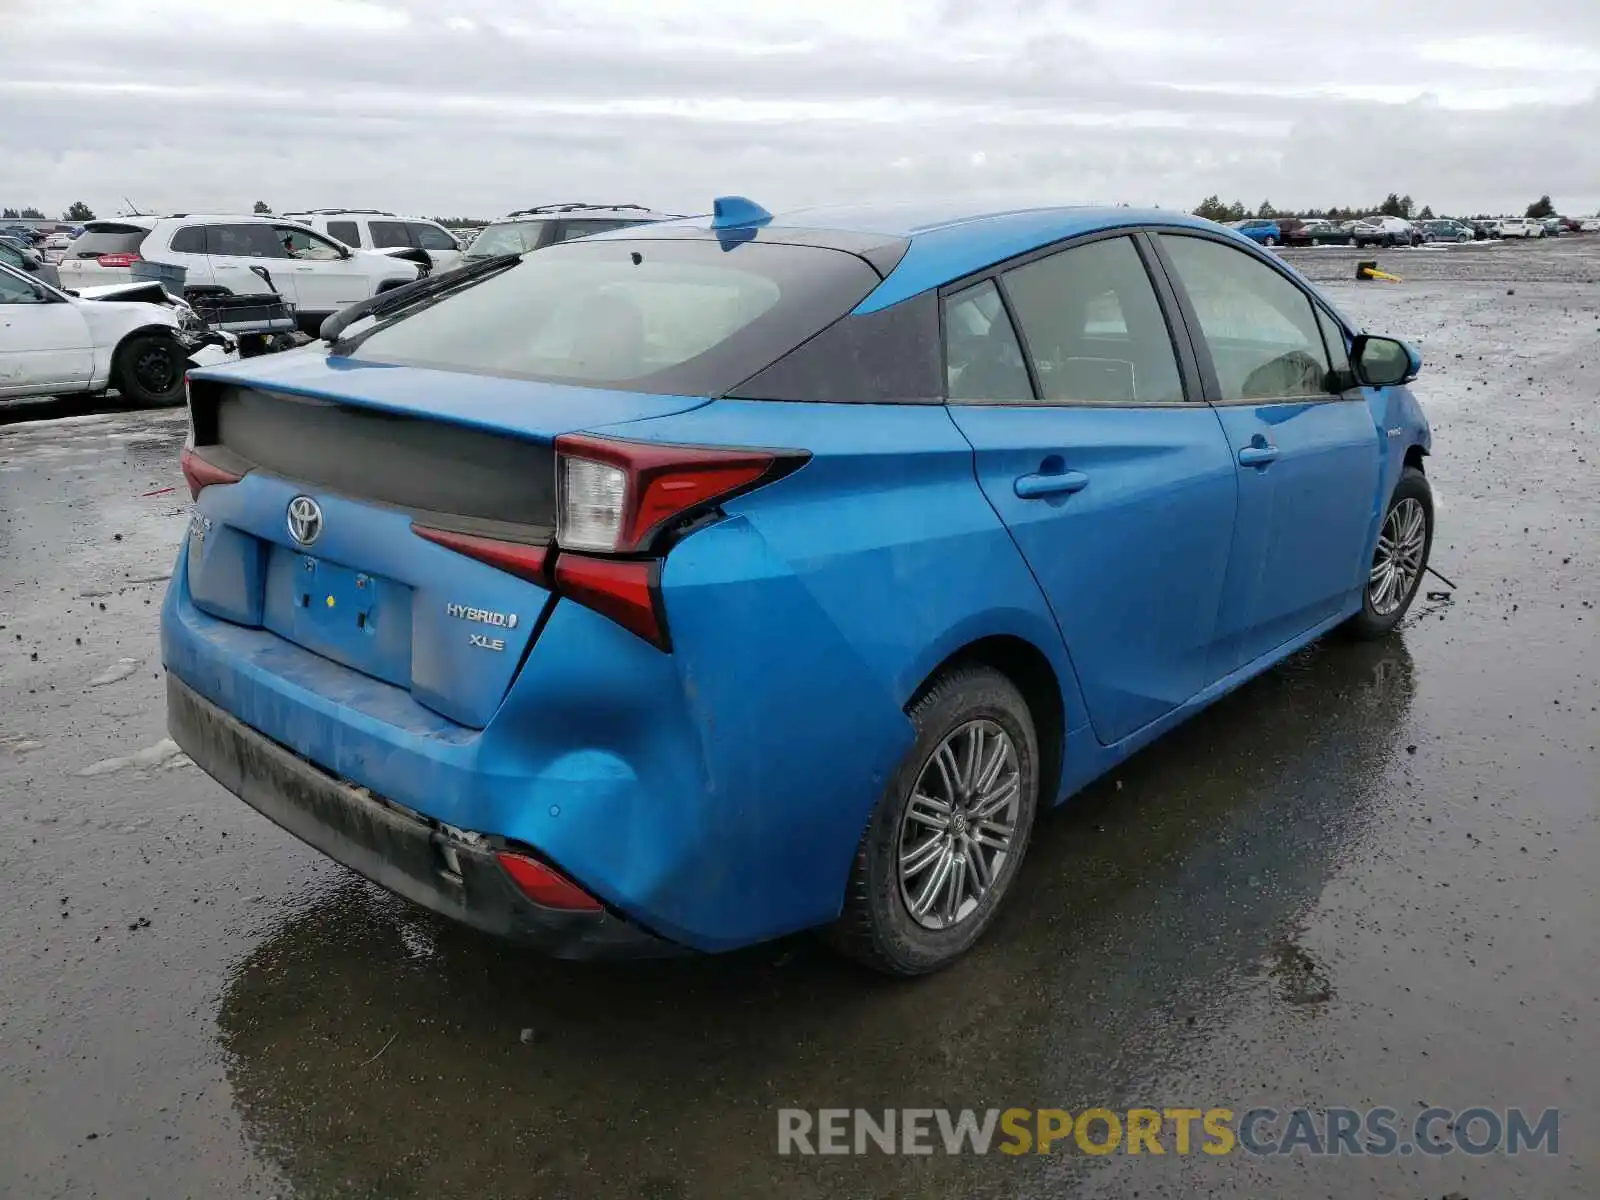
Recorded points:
697,583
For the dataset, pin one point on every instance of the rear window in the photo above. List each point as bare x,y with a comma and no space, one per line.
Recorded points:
680,317
109,238
512,237
347,232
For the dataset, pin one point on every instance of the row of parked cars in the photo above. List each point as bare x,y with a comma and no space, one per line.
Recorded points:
315,262
132,302
1397,231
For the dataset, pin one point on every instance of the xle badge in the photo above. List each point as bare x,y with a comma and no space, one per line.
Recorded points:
484,642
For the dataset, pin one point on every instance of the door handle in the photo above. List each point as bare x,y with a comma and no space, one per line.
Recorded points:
1258,456
1061,483
305,268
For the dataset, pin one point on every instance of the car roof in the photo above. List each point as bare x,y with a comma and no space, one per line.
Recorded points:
141,221
946,241
230,218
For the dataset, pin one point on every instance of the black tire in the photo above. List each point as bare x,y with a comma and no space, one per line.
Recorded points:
148,370
1270,241
876,927
1370,623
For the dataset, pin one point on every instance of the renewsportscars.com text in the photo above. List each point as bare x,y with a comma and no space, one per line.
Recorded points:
1215,1131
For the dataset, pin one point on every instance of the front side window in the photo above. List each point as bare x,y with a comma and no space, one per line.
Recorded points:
244,241
1259,327
430,237
983,359
678,317
303,244
387,234
577,229
1338,349
347,232
1093,326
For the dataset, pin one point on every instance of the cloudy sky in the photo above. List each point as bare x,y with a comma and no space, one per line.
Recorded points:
479,106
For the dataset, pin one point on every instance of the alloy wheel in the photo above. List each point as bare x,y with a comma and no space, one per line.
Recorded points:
1397,562
958,828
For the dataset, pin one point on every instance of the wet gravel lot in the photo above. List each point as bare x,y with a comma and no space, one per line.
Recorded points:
1370,877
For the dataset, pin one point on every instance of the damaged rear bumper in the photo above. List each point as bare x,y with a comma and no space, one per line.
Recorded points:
455,875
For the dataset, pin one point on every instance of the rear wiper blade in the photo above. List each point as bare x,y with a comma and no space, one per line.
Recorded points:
410,293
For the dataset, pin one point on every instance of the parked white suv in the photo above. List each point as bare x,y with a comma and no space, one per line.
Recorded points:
373,229
240,255
530,228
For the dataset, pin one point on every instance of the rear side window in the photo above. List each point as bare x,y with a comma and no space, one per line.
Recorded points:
105,237
983,360
388,233
347,232
244,241
1094,328
191,239
685,317
430,237
1260,328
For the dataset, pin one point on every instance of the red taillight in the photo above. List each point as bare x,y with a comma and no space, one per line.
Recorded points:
545,886
614,496
626,590
198,473
117,260
524,561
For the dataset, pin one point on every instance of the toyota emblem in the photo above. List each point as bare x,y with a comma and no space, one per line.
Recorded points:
305,520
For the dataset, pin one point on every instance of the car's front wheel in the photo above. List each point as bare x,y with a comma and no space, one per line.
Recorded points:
148,369
1270,241
944,843
1399,559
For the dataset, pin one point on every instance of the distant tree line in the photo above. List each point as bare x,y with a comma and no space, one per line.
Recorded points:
1394,205
461,222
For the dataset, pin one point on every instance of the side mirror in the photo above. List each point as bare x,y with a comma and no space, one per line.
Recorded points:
1383,361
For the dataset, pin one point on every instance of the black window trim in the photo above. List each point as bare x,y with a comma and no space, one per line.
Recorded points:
1212,386
1178,332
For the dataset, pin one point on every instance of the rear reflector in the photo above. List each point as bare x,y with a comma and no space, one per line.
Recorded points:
198,473
117,260
545,886
626,590
515,558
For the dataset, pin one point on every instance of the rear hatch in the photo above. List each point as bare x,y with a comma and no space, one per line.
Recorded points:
360,469
105,253
384,452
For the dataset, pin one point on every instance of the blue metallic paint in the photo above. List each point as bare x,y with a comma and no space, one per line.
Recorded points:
716,794
1133,563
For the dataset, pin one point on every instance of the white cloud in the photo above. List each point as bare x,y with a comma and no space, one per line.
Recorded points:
494,104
